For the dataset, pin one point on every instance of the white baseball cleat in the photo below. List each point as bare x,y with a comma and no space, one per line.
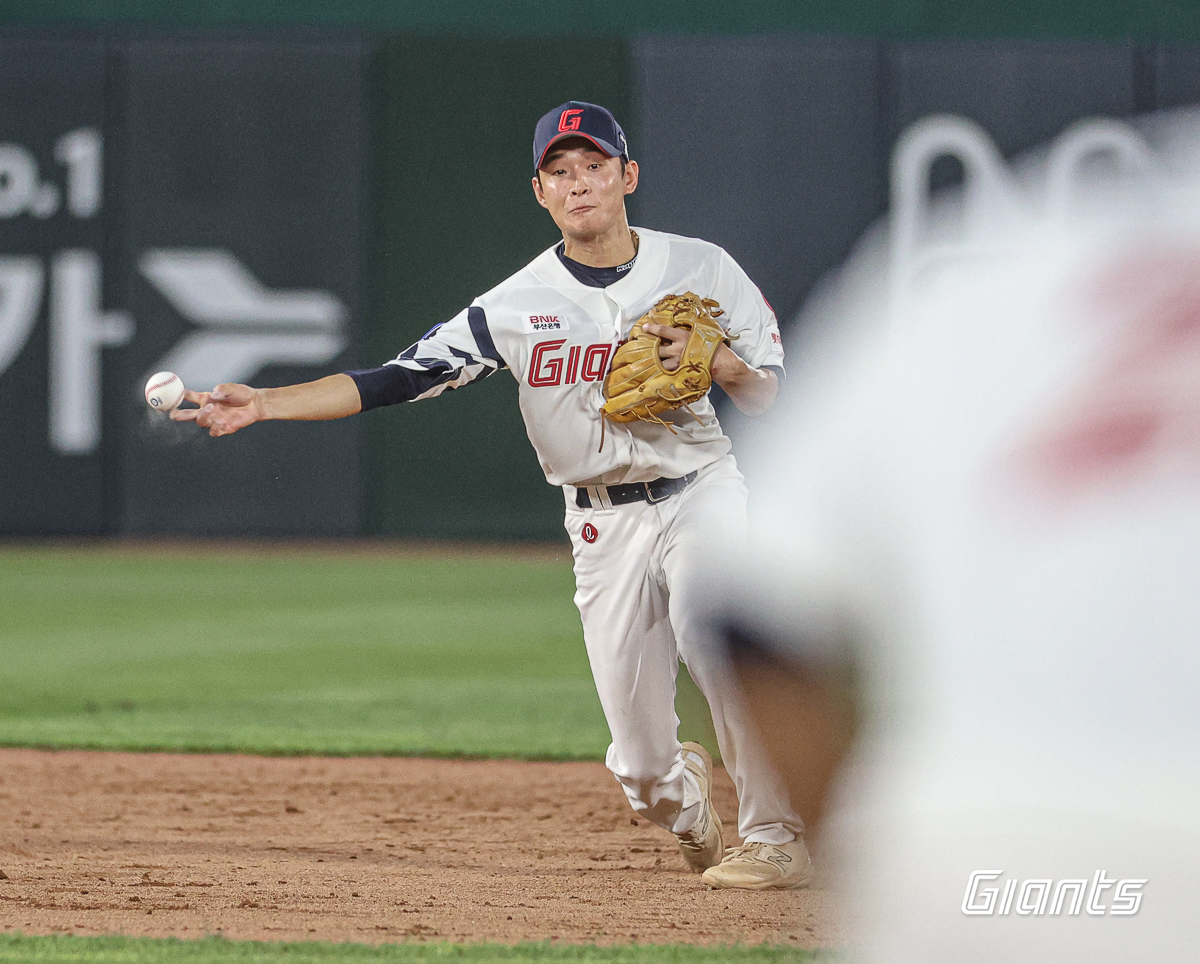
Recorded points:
703,845
763,866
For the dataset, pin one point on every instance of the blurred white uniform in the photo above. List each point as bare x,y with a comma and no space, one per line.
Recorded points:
994,485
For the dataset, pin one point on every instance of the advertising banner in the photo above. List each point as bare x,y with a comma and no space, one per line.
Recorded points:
242,182
189,204
57,323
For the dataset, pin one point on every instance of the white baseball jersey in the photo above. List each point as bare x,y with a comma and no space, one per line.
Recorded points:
997,491
557,335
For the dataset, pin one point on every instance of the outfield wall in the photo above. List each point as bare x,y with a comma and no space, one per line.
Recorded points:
187,203
275,206
892,19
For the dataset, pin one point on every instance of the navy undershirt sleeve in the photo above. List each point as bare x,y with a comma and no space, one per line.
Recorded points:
391,384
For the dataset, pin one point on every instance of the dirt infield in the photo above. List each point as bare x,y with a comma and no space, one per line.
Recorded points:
366,850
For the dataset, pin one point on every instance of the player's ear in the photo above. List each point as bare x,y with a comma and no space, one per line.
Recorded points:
631,176
537,190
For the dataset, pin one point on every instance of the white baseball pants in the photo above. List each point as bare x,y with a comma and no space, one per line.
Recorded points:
636,578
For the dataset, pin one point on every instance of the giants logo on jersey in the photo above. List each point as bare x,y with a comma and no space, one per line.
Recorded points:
549,365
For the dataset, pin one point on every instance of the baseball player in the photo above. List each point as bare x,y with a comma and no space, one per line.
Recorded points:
985,501
649,504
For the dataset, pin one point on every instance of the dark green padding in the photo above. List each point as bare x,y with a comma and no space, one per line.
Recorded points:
1106,19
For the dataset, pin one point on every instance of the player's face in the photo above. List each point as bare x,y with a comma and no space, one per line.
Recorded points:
584,189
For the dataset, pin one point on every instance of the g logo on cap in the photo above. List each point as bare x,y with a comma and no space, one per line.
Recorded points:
577,118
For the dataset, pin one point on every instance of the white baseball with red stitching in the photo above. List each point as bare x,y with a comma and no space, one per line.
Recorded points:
164,391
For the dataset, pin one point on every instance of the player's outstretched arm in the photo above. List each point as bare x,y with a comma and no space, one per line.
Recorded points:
228,408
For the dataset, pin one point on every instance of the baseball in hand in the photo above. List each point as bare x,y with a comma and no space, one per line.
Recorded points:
164,391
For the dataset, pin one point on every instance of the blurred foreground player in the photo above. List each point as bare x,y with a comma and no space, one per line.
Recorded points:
979,544
646,502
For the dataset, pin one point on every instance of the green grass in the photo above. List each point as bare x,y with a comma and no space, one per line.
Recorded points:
305,651
131,950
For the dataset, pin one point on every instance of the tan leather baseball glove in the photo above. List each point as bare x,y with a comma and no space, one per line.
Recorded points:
638,387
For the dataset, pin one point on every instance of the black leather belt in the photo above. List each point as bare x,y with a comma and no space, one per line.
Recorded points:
650,492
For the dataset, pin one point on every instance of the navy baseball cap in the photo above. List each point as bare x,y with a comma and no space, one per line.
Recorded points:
576,118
